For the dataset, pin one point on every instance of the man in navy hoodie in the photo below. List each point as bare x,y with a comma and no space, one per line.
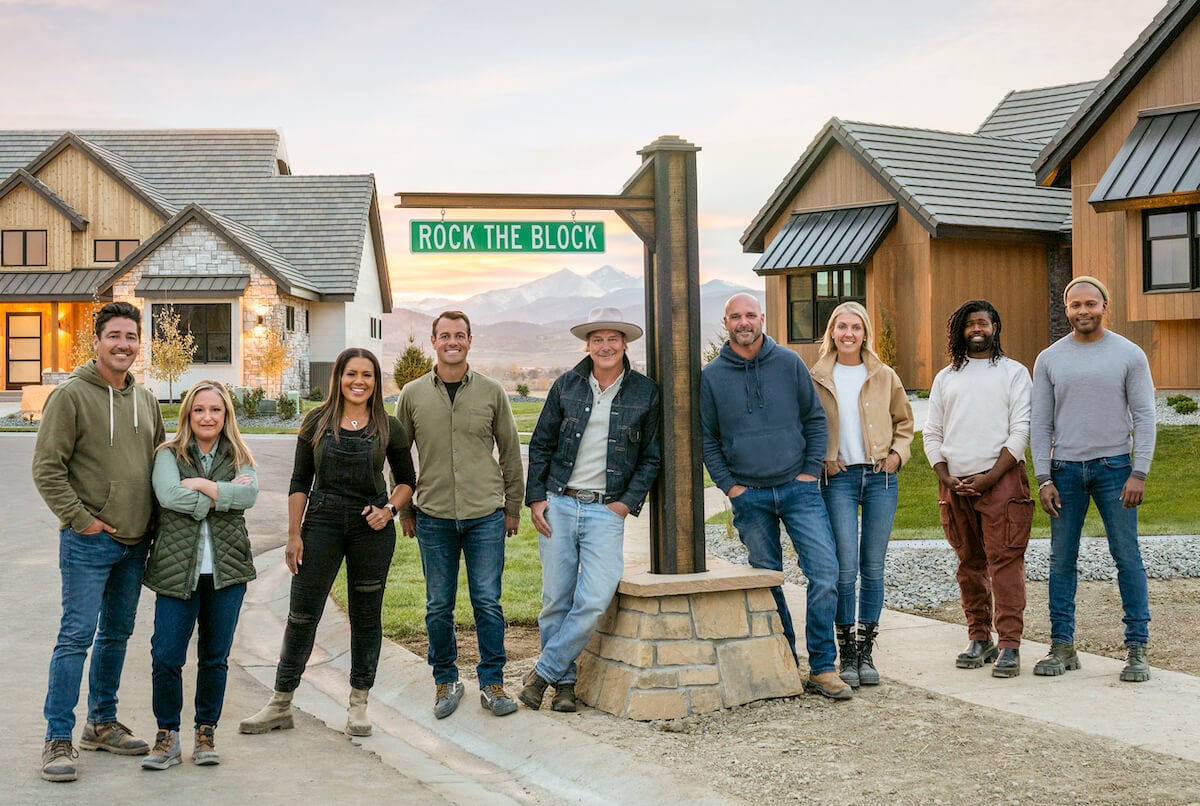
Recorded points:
764,442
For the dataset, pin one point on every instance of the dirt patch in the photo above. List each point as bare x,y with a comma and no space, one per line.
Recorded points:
1174,621
903,745
520,644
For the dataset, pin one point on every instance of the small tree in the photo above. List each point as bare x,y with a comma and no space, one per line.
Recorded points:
171,349
886,343
82,350
523,389
274,355
412,363
713,348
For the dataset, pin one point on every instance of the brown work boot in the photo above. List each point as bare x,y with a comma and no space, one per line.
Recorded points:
564,699
204,749
828,684
58,760
535,689
113,737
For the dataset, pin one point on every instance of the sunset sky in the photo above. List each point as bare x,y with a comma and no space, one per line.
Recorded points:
545,97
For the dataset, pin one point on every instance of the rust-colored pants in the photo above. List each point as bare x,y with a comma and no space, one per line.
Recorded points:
990,534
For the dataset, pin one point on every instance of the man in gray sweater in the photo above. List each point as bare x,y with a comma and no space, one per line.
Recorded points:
1093,406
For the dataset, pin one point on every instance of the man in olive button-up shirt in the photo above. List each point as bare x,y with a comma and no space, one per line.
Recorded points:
466,503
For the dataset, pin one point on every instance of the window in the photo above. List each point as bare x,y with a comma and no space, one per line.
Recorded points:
305,320
376,327
289,316
812,297
23,247
210,324
1171,254
113,251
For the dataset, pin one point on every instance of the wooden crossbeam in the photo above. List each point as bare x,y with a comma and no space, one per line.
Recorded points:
527,201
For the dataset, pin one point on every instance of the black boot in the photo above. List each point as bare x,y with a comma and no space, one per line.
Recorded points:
848,649
977,653
867,673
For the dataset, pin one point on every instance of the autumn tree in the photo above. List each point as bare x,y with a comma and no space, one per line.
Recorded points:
82,349
713,348
412,363
274,355
171,349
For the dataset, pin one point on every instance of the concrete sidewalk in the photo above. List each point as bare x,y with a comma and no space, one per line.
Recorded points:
1160,715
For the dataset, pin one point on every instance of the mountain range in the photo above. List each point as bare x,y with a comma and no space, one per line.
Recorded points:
529,325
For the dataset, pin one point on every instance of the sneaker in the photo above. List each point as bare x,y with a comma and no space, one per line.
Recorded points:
564,699
446,699
495,699
828,684
1061,659
204,750
1136,669
535,689
58,760
166,751
113,737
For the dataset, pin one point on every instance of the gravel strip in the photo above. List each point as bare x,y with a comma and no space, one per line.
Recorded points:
919,574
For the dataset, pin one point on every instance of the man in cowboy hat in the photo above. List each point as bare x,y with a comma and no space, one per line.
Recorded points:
592,458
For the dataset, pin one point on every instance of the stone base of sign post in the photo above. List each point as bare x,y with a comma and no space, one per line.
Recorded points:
672,645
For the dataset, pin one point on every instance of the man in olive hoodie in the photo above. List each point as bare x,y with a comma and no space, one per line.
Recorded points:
92,465
764,446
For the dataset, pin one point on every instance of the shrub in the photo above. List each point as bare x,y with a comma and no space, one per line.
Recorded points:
523,389
238,408
886,342
285,407
252,399
1186,405
1174,399
922,394
316,395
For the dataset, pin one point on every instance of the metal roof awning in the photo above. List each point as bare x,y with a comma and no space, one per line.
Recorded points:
77,285
166,286
842,237
1158,165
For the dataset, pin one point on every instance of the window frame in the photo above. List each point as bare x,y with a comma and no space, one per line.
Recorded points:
117,248
186,307
4,261
835,277
1191,237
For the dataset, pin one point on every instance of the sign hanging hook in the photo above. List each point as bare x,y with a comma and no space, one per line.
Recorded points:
572,216
443,215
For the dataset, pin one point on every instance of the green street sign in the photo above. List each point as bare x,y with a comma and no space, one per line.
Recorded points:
507,236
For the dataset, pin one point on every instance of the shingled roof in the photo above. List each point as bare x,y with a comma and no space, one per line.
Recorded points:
954,184
1035,115
1053,164
308,231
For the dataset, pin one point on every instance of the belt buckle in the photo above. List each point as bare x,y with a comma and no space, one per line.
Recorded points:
586,497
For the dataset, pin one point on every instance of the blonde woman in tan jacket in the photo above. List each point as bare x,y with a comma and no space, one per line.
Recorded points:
870,433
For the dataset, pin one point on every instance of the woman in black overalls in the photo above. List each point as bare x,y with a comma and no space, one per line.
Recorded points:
338,506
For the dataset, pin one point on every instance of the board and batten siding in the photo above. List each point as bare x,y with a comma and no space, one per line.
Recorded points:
1109,245
26,209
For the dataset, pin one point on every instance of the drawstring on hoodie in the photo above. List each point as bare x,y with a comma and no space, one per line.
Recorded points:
111,416
762,403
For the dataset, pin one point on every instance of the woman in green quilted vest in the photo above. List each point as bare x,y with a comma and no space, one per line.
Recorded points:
199,565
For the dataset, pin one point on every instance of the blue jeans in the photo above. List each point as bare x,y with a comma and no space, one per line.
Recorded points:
216,611
1099,480
480,541
860,560
101,582
582,562
756,516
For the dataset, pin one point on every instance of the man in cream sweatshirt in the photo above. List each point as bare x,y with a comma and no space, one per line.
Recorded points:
975,438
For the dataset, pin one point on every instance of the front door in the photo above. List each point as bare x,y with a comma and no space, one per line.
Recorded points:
23,349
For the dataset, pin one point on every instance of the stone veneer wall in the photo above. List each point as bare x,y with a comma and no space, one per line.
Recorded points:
1060,272
197,250
665,657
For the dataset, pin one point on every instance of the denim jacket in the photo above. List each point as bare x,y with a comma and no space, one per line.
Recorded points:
634,448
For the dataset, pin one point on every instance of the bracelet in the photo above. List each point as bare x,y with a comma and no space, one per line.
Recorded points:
1045,484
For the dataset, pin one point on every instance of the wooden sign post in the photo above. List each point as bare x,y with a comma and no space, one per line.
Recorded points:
659,205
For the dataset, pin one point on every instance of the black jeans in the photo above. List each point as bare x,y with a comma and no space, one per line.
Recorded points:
333,528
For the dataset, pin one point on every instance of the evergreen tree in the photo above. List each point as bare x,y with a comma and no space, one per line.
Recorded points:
412,363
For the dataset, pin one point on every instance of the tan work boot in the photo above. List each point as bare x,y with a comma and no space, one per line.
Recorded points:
58,760
113,737
275,714
357,723
828,684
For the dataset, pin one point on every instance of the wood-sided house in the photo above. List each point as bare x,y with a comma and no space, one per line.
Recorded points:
1099,178
210,222
1130,157
912,222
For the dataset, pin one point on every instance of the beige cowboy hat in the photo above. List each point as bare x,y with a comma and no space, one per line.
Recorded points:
606,318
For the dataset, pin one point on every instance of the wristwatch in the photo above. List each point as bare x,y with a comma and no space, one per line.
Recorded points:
390,507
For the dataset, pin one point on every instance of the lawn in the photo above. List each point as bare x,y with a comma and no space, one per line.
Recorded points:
404,600
1171,505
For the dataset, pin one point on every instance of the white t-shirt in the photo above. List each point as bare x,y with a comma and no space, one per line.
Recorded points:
848,381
